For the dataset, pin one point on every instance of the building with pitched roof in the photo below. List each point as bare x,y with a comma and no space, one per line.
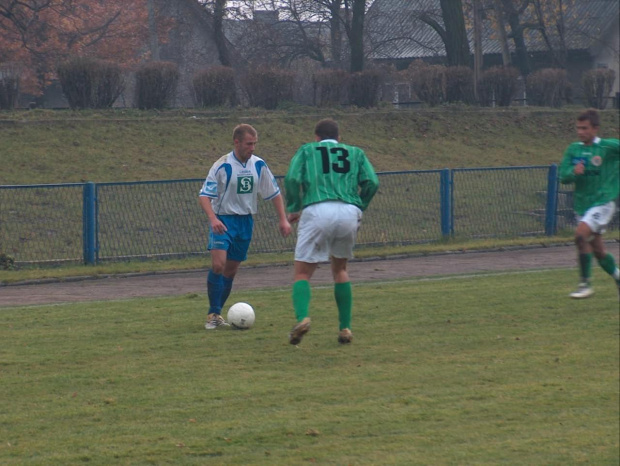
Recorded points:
398,35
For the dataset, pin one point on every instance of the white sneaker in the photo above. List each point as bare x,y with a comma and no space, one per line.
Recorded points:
584,290
214,321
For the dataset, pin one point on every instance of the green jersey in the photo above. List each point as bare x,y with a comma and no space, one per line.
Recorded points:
599,184
329,171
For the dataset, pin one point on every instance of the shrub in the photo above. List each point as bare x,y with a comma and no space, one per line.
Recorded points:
214,87
428,82
548,87
597,85
459,84
156,83
364,88
6,262
268,87
90,83
9,86
329,87
498,84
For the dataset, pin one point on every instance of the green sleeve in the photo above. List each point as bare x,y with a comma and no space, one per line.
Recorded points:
368,181
567,174
293,183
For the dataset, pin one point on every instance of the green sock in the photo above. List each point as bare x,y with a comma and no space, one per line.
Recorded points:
609,265
585,266
301,299
344,301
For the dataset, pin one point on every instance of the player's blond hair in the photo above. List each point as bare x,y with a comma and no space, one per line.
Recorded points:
241,130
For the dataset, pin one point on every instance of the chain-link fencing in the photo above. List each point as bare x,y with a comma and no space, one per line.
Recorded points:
94,223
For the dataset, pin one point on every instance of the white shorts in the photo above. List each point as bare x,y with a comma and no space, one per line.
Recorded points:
327,229
598,217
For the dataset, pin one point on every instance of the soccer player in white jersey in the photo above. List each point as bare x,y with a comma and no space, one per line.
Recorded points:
328,185
229,198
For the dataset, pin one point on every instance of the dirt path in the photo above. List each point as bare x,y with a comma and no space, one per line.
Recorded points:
166,284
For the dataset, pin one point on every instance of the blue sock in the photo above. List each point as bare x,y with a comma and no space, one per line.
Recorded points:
215,287
227,287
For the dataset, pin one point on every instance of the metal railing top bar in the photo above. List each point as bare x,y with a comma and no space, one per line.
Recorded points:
31,186
488,169
137,183
407,172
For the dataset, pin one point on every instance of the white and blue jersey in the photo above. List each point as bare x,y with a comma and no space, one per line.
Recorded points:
233,187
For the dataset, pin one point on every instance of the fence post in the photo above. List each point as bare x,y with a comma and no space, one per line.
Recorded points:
89,222
446,208
552,201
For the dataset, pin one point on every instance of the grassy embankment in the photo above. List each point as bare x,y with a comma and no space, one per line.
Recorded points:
128,145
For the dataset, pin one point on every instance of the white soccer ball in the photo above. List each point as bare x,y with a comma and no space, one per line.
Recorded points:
241,316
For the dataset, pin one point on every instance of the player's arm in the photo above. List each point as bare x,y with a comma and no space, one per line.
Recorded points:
216,225
292,186
368,181
567,169
208,192
612,148
283,225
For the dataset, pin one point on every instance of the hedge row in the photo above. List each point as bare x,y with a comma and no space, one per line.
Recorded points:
92,83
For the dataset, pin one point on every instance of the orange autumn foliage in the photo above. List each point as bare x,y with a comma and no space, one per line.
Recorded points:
36,35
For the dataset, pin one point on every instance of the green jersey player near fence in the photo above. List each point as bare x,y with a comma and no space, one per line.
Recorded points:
593,166
328,185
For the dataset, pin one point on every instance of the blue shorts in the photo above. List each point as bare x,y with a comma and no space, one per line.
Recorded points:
236,241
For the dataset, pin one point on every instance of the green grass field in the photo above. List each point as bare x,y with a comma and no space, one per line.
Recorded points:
484,369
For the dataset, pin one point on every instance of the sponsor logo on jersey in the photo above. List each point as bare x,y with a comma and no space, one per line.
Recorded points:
578,160
597,161
245,184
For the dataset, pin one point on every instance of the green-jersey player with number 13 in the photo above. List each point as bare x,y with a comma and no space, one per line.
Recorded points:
593,165
328,185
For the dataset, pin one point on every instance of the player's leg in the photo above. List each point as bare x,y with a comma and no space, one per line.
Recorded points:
239,234
215,288
301,296
583,238
344,298
588,239
311,248
605,259
228,276
341,247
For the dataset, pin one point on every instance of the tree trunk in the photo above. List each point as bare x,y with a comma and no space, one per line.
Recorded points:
457,45
357,36
153,38
478,54
522,58
501,26
219,10
335,31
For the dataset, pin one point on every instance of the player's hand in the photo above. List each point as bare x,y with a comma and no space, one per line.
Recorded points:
579,169
294,217
218,227
285,228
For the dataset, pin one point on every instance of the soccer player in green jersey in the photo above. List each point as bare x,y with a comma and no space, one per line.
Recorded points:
593,166
328,185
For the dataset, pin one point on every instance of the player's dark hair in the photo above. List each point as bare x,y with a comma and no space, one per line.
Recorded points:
241,130
326,129
590,115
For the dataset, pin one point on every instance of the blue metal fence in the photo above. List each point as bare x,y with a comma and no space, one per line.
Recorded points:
99,222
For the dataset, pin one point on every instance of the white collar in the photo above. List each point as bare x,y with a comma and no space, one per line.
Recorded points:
329,140
596,140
